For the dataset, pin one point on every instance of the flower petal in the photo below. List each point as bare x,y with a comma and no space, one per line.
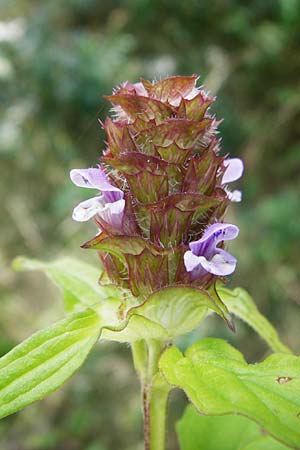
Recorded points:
205,256
92,178
112,213
88,209
234,196
212,236
191,261
234,170
221,264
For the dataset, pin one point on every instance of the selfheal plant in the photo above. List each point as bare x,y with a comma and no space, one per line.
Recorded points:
160,197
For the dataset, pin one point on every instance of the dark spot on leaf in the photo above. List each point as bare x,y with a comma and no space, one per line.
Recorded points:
283,380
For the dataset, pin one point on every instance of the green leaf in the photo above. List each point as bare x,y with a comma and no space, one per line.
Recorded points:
43,362
78,280
178,309
80,287
219,381
197,432
241,305
166,314
135,329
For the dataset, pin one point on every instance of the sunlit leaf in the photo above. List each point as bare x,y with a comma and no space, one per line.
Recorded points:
137,328
219,381
43,362
79,284
164,315
241,305
179,309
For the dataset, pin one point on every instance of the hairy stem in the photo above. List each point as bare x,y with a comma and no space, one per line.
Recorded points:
146,413
154,393
158,415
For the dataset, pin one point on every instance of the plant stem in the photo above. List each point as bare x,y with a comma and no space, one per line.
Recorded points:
140,358
146,413
154,393
158,412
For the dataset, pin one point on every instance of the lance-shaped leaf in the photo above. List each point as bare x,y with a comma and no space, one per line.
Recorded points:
218,380
241,305
77,280
197,432
43,362
124,318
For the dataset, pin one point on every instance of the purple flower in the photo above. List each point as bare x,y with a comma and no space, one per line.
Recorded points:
204,255
109,206
234,170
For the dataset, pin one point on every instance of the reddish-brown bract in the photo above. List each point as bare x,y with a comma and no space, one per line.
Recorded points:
162,151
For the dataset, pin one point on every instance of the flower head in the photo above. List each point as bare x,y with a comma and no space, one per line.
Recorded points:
163,150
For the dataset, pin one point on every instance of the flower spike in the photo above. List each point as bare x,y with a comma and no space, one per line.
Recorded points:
163,194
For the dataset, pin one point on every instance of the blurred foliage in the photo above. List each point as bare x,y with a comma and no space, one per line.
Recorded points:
57,60
197,432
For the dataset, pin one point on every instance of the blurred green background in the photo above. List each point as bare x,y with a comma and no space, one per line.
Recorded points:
57,59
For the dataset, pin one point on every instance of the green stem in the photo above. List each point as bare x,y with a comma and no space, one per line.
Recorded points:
140,358
154,393
158,414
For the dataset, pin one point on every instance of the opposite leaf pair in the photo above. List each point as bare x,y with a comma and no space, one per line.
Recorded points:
214,375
